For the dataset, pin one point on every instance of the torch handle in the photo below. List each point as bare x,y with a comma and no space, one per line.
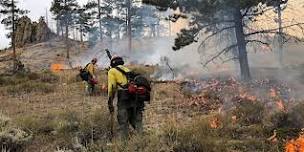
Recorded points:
109,54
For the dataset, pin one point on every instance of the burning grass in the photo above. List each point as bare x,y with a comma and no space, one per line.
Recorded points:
209,115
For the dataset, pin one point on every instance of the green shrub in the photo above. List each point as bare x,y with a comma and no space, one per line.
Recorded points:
38,125
48,76
29,87
11,138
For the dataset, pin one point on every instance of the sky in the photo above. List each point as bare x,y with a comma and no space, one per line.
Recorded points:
37,8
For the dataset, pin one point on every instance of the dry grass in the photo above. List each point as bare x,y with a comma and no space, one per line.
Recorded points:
65,118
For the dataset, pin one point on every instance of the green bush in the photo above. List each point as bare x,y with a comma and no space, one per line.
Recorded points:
11,138
29,87
38,125
48,76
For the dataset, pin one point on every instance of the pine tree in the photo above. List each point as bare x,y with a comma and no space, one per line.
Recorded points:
11,13
279,6
65,11
213,18
85,19
56,9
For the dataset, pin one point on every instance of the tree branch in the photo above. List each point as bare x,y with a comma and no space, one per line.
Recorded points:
201,26
257,41
220,53
273,30
213,34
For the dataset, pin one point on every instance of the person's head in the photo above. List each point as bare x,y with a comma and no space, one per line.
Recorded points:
116,61
94,61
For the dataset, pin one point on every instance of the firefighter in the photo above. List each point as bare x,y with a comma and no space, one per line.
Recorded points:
129,110
92,79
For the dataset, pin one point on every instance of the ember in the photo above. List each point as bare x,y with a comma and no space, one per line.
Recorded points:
295,145
215,123
281,105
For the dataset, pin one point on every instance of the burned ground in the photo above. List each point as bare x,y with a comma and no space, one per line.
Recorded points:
51,112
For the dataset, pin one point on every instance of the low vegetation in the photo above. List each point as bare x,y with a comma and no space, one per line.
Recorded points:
50,112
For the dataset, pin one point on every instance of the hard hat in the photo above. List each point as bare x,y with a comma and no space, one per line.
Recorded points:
94,60
117,60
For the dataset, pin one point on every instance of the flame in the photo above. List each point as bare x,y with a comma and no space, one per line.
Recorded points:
57,67
104,88
215,123
295,145
281,105
248,97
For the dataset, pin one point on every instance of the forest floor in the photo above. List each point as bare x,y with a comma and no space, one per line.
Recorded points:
46,110
50,112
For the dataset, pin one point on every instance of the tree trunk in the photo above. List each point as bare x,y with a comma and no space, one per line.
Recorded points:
241,43
62,32
129,28
169,28
13,36
99,20
81,35
67,41
111,39
57,28
280,39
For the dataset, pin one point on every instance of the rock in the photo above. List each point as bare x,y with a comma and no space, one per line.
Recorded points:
28,32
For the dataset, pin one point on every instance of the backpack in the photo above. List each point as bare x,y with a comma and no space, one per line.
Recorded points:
84,74
137,85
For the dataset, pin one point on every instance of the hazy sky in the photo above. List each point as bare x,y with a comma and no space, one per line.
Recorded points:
37,8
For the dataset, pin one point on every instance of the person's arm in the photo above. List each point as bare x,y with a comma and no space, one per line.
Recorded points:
112,85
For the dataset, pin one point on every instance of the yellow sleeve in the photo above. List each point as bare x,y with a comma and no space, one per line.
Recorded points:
91,69
112,84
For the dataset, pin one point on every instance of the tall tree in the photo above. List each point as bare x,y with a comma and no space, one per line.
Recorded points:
279,6
99,19
11,14
65,11
129,24
214,17
56,9
85,19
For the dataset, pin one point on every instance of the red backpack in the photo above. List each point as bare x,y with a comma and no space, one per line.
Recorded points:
137,85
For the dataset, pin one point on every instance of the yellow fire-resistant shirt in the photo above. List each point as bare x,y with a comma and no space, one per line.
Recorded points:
115,77
91,68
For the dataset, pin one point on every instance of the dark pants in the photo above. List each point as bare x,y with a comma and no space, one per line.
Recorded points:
130,112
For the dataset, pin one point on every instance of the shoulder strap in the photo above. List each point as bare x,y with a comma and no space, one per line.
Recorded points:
124,73
85,68
121,70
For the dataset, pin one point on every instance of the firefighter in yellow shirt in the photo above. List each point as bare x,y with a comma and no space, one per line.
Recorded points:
129,110
92,81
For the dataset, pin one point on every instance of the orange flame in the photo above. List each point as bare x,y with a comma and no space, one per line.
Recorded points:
295,145
104,88
215,123
248,97
56,67
281,105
